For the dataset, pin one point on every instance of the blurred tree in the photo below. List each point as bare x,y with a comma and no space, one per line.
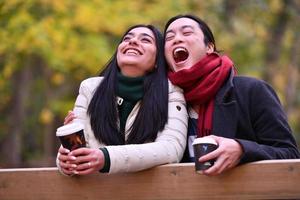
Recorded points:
274,42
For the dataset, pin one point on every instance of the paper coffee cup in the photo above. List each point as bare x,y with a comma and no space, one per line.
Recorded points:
203,146
71,136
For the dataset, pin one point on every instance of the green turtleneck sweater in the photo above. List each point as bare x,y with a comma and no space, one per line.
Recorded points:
131,90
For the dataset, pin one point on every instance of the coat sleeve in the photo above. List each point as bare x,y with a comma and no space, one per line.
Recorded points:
81,104
86,91
274,139
168,147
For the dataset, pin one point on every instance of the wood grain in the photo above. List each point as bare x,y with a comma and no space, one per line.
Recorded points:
278,179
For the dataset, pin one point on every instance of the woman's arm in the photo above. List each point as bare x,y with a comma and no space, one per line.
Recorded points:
65,161
168,147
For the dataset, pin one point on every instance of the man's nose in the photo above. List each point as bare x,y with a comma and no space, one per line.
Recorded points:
177,39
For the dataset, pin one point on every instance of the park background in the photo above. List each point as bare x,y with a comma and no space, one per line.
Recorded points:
47,47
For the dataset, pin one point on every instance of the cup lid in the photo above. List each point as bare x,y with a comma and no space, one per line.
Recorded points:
69,128
206,140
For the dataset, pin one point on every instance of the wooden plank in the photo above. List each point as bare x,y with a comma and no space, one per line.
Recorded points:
278,179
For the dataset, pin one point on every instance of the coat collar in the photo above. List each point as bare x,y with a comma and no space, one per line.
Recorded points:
224,91
225,112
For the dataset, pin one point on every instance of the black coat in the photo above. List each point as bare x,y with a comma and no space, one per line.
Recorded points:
248,110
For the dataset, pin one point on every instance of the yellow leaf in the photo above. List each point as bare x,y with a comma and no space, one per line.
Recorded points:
46,116
57,79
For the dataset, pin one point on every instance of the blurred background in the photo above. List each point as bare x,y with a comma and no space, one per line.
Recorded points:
47,47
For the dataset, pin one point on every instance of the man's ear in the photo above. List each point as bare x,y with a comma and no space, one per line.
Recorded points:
210,48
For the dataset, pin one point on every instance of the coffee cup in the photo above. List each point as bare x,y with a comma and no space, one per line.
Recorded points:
203,146
71,136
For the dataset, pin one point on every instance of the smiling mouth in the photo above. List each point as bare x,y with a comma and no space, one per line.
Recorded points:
132,51
180,54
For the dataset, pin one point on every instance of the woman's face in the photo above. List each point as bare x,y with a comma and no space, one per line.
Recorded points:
184,44
137,52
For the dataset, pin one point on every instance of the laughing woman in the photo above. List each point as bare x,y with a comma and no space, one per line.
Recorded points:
134,118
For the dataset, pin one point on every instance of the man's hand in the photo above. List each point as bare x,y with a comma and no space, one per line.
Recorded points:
227,155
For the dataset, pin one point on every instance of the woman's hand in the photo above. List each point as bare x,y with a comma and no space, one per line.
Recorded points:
66,162
227,155
87,160
70,117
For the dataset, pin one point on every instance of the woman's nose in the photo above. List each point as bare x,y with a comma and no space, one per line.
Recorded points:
133,40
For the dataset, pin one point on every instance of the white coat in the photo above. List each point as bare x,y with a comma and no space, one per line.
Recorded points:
168,147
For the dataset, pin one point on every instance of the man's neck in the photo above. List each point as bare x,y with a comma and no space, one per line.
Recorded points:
196,108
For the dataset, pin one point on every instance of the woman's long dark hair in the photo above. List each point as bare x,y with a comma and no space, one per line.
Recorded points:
208,35
153,113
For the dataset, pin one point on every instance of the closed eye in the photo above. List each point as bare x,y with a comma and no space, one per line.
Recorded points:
187,32
169,37
146,40
126,38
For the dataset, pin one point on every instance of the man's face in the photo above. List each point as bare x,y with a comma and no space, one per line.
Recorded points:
184,44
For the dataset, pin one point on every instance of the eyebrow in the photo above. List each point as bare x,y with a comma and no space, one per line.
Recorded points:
147,35
187,26
143,34
181,28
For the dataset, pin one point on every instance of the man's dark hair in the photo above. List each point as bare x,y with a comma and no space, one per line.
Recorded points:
208,35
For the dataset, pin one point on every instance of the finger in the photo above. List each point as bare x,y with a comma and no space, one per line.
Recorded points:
67,165
233,163
83,160
84,166
80,151
66,119
212,155
69,117
65,158
217,168
223,167
84,172
63,150
216,138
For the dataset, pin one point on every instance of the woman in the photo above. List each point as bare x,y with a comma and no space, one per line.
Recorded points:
242,114
134,119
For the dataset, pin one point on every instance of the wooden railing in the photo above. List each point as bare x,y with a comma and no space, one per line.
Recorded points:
276,179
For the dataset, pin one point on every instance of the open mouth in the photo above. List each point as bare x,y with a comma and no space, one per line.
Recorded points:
180,54
132,51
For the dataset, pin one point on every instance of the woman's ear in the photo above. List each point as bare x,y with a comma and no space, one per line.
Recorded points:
209,48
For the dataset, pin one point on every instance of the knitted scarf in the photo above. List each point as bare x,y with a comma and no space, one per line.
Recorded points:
201,83
131,90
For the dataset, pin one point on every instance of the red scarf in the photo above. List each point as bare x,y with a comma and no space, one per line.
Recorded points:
201,83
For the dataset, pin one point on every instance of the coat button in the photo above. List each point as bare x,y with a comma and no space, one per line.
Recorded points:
178,108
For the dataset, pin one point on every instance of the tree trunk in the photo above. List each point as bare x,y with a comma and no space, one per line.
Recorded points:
274,44
12,147
293,70
49,130
230,7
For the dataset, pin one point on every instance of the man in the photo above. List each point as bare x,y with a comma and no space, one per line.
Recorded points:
242,114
